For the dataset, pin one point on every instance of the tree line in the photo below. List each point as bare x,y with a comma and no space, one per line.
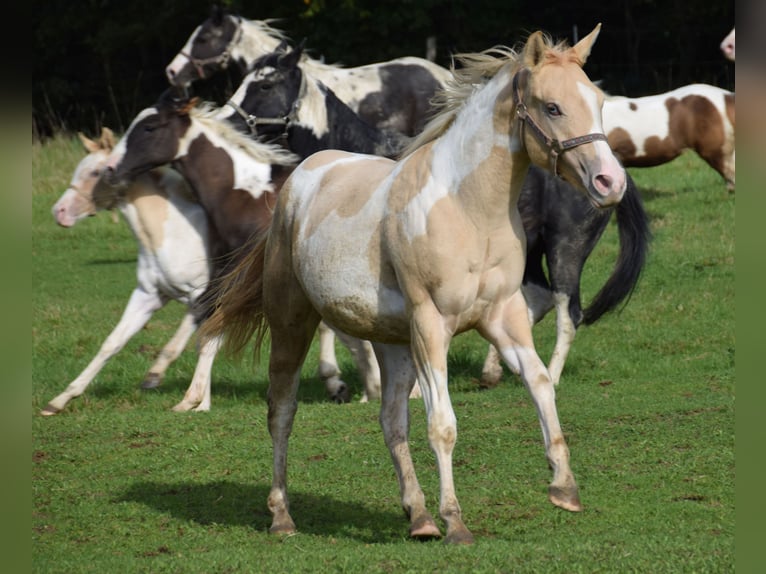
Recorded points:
98,63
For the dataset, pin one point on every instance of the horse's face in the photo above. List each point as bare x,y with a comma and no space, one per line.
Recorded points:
152,139
565,104
270,90
206,51
81,198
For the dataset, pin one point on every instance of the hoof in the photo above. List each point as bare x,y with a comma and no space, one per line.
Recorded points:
566,498
283,529
460,537
152,381
49,411
425,529
341,395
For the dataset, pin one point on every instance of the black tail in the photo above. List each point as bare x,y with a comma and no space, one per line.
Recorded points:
635,236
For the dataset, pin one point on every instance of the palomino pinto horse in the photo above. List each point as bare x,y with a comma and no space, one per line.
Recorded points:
277,98
236,180
410,253
653,130
395,94
171,229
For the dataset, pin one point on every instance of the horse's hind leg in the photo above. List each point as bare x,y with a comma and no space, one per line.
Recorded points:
170,352
397,378
292,322
197,396
329,372
366,362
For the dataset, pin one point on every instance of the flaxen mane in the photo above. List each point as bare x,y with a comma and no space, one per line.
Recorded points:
475,70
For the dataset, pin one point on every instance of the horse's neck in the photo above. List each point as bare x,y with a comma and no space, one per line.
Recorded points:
492,163
255,42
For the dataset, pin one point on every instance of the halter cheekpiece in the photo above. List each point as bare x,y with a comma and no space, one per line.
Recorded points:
555,147
254,121
223,58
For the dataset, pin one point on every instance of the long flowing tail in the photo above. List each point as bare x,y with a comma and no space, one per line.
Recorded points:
633,225
238,301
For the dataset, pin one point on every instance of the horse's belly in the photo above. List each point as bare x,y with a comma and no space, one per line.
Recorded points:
340,271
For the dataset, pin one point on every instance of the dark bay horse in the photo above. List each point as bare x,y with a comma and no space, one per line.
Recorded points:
394,94
280,101
410,253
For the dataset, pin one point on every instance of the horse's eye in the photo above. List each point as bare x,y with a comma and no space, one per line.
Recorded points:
553,110
95,173
266,86
148,128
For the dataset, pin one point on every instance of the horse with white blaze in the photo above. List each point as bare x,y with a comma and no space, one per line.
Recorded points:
410,253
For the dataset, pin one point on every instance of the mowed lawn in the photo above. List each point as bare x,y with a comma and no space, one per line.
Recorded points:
122,484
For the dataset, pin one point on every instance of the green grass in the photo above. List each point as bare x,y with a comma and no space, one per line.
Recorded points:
122,484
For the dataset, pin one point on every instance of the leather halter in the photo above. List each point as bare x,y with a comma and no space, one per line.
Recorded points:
223,58
254,121
555,147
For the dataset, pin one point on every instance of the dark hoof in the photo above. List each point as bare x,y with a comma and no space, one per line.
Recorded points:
341,396
152,381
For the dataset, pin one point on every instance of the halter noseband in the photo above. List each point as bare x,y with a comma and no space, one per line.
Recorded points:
223,58
555,147
254,121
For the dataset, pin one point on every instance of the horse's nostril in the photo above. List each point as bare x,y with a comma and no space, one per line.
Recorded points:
603,182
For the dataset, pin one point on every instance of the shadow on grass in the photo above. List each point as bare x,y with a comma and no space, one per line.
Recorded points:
232,504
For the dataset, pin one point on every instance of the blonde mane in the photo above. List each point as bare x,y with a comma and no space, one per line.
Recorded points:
475,71
261,152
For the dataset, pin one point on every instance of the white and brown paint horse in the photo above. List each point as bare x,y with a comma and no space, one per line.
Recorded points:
410,253
171,230
279,100
728,45
394,94
236,180
653,130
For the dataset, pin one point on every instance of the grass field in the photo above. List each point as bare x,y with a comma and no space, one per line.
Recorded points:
122,484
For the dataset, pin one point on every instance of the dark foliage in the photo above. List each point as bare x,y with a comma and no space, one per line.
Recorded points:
99,63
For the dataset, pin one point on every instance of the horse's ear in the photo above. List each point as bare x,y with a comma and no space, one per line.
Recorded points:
282,47
216,13
534,50
582,48
291,59
89,144
107,140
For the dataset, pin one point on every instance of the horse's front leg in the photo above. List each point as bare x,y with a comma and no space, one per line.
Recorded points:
510,331
329,372
430,342
140,308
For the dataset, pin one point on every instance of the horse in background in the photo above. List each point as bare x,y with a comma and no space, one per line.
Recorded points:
410,253
173,238
280,101
727,46
653,130
394,94
236,180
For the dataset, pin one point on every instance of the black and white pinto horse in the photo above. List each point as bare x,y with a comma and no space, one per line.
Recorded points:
394,94
280,100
